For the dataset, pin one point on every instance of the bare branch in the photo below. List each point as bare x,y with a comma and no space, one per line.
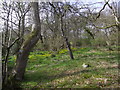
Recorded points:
14,42
9,20
105,27
102,9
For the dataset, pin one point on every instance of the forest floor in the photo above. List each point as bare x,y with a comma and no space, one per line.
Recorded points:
48,70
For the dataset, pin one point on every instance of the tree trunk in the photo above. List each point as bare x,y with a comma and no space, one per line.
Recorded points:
0,60
66,39
118,26
29,43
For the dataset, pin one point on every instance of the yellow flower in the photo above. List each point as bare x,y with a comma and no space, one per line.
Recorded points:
63,51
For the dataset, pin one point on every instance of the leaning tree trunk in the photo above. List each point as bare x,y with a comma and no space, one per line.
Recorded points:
66,39
29,43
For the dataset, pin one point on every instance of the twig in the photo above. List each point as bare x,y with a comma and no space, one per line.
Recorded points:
102,9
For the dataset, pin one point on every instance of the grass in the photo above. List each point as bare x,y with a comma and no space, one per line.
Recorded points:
45,70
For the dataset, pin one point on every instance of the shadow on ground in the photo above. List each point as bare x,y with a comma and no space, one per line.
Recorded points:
43,76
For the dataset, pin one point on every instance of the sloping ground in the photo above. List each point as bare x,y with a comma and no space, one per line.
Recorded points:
46,70
0,75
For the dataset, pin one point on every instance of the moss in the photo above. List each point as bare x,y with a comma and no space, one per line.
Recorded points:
29,38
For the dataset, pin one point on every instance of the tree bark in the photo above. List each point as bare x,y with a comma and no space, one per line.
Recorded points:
29,43
66,39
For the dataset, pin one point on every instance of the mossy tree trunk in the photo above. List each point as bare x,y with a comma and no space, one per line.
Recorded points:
29,43
118,42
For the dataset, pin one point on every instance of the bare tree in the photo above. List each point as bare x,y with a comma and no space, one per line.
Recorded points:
10,38
61,12
7,43
29,43
20,9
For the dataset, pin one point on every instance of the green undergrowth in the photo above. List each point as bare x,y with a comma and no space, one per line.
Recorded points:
47,69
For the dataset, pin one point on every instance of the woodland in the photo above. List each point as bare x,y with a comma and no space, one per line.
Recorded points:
60,44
